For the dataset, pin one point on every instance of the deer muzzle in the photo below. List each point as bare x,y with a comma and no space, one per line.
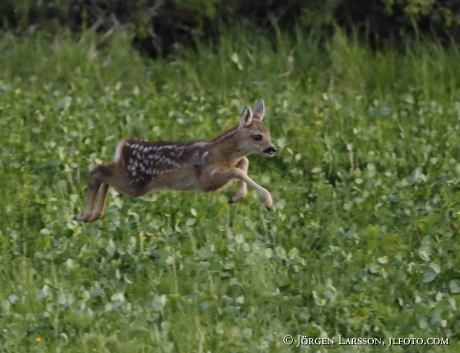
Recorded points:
270,151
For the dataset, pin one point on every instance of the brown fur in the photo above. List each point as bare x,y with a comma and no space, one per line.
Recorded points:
205,165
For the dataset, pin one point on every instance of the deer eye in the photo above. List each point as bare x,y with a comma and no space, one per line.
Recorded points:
257,137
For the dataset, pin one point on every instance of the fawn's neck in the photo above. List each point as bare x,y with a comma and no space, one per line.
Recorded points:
227,145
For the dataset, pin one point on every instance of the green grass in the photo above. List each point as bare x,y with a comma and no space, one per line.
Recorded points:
363,242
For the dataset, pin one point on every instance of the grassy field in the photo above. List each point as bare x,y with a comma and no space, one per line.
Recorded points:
363,241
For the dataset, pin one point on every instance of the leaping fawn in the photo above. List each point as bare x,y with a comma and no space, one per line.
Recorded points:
207,165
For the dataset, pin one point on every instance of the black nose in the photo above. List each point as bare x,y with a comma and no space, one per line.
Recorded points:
270,150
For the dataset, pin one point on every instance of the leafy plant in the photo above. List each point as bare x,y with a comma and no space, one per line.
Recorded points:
363,241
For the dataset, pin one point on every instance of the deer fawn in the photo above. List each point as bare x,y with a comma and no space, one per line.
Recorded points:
206,165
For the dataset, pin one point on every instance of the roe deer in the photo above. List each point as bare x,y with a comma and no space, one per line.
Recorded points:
207,165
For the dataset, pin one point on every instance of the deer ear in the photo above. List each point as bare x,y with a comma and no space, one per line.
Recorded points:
259,111
246,117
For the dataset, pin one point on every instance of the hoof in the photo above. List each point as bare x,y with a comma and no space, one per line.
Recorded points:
269,208
80,218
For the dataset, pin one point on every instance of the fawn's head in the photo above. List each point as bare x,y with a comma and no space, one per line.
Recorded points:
252,134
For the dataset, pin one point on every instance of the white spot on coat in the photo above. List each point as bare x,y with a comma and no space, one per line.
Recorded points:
200,144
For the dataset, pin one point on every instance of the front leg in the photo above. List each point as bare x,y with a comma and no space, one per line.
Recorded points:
243,164
213,179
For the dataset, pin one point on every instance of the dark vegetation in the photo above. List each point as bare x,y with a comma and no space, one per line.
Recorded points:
161,27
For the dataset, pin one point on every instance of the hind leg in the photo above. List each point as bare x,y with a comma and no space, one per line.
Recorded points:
98,181
100,206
